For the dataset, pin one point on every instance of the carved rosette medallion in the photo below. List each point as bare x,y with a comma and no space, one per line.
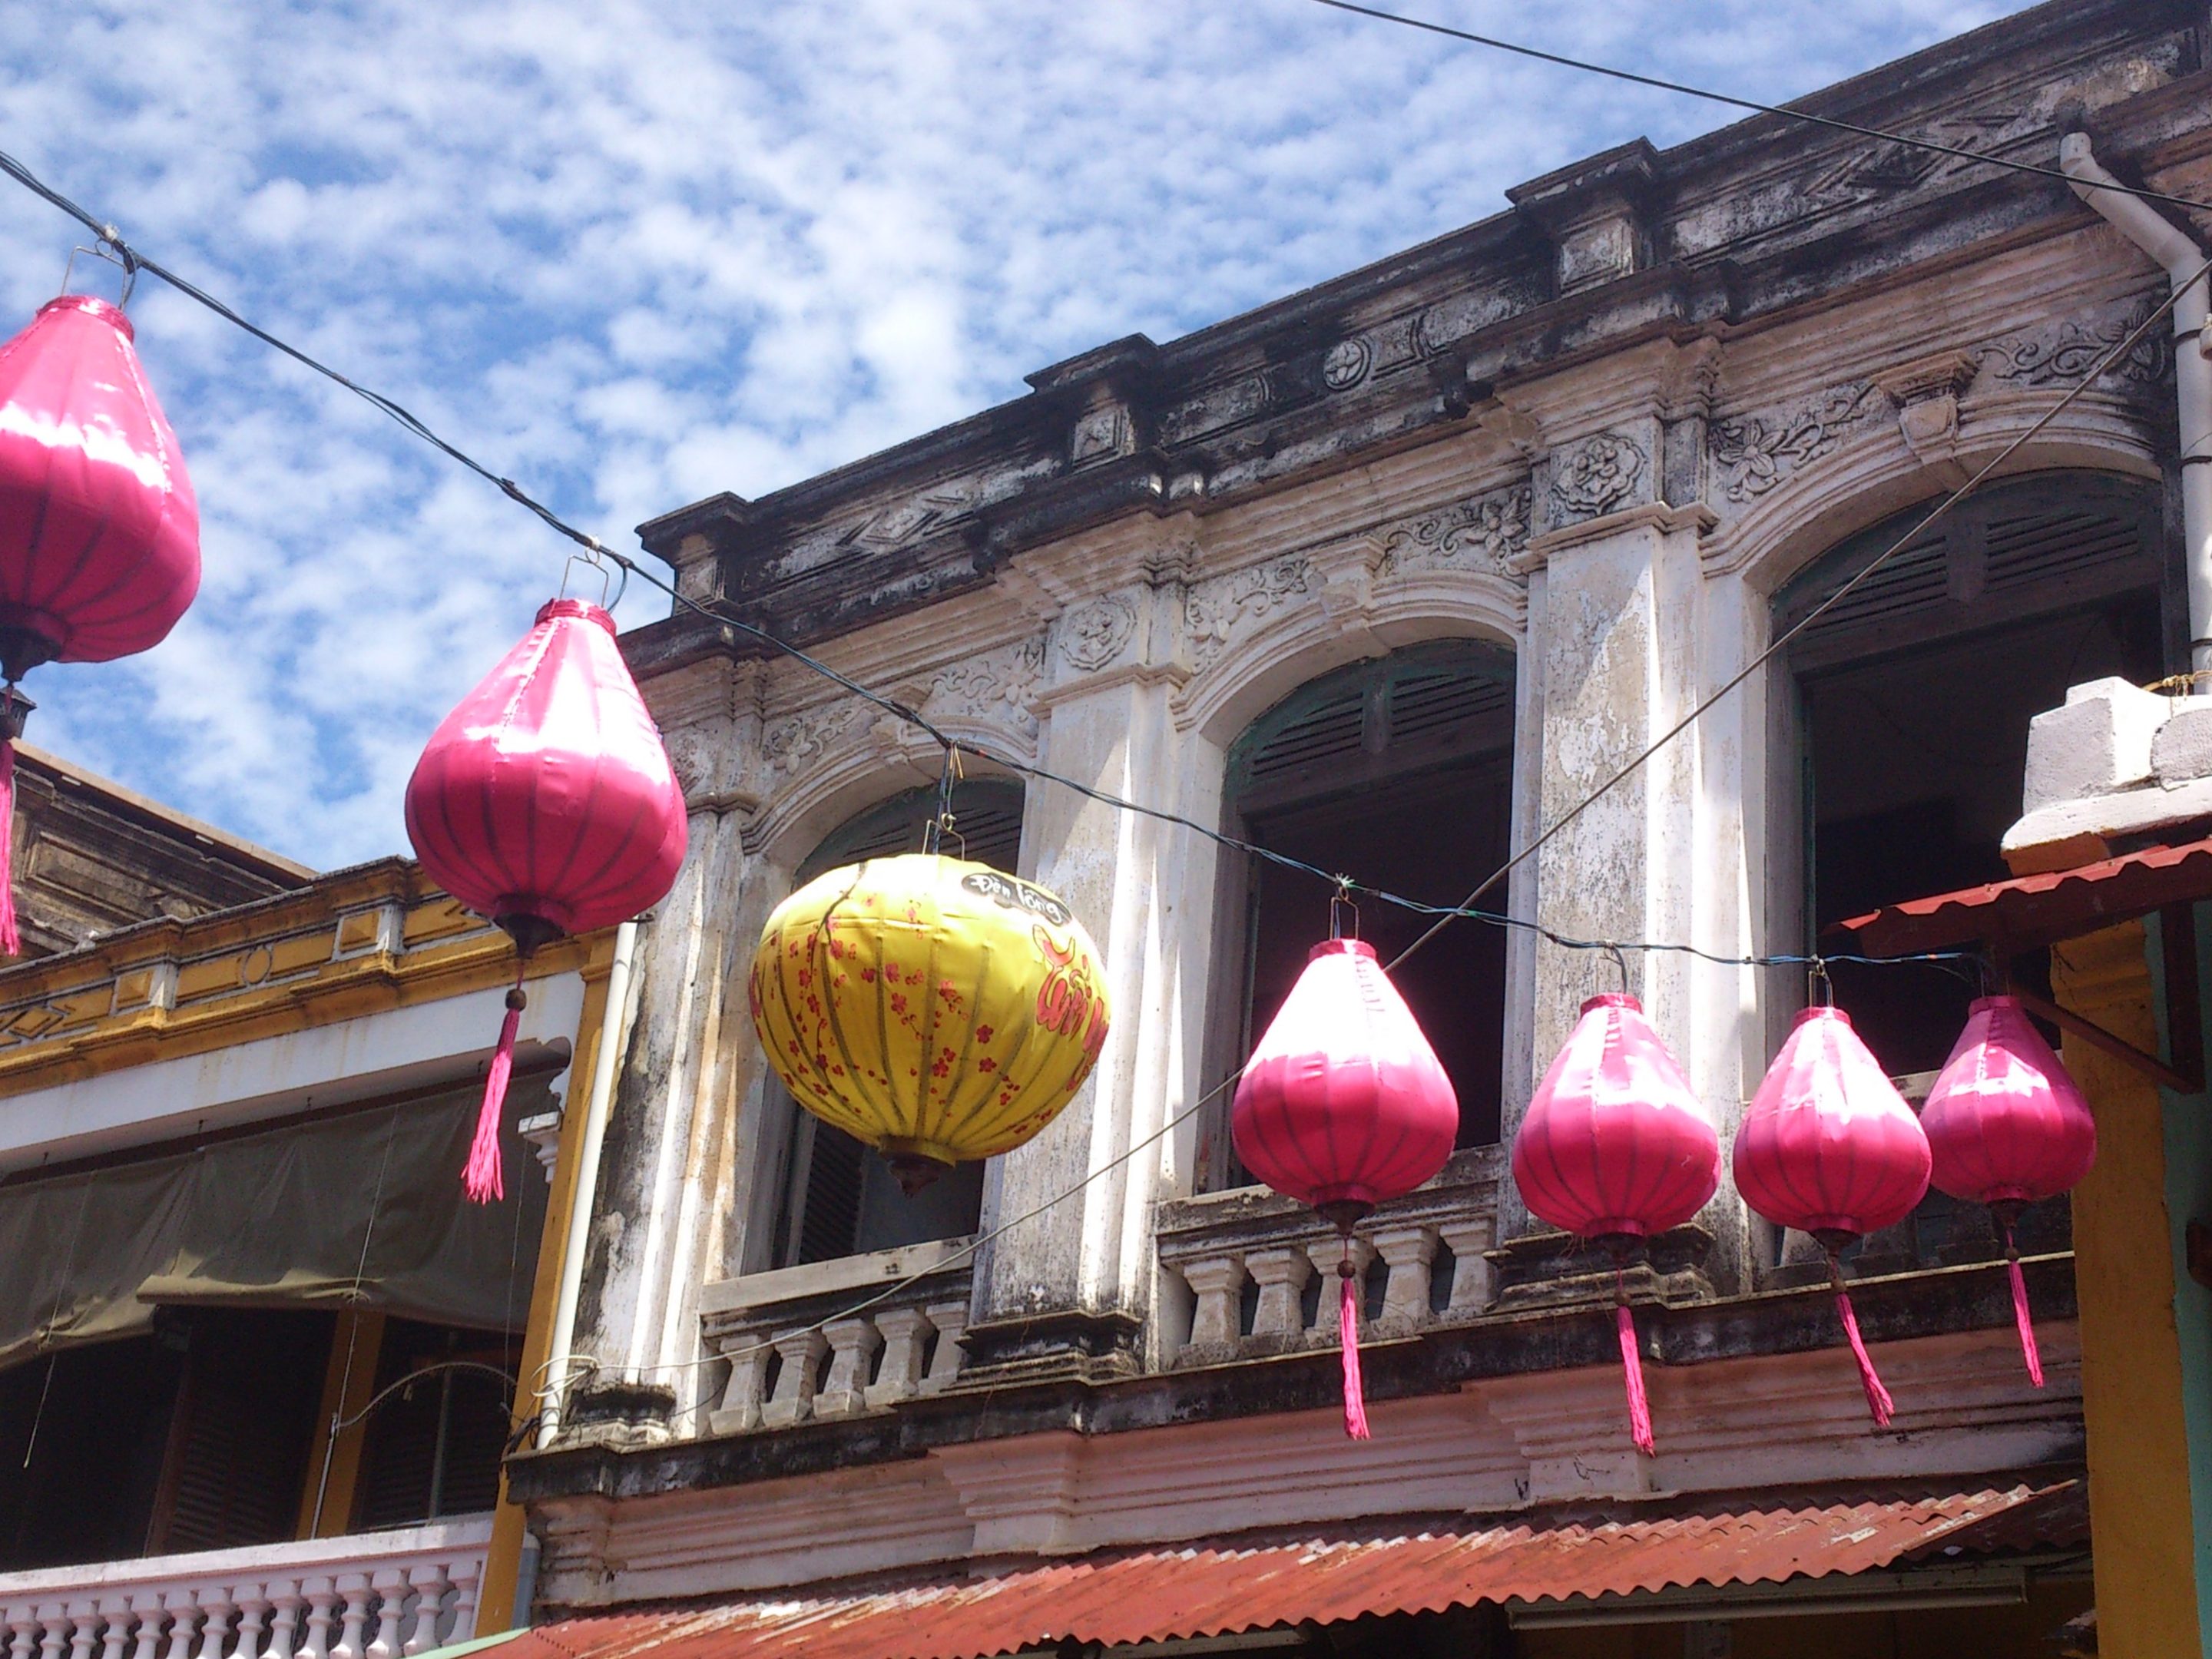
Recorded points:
1593,477
1346,364
1091,636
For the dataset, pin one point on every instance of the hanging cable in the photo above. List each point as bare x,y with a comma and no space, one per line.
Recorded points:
1787,112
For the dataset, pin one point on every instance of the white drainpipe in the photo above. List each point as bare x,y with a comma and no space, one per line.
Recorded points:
2175,249
588,1184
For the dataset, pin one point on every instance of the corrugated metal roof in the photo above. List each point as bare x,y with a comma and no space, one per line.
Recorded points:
1205,1590
2041,910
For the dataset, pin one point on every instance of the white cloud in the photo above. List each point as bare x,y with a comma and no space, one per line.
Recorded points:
635,254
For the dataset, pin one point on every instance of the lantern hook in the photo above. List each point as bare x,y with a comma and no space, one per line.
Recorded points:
1819,987
123,262
1619,962
1342,897
934,832
591,558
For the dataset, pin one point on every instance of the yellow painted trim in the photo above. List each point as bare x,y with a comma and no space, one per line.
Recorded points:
2140,1519
496,1601
357,1335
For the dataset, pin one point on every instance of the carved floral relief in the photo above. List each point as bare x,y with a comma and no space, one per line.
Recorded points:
1486,532
1595,477
1752,454
1091,636
1214,612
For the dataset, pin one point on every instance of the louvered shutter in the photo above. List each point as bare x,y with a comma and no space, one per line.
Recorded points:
251,1379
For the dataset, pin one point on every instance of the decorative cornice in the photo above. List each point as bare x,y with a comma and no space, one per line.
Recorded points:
1652,515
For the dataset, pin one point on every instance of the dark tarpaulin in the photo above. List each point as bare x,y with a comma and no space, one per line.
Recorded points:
278,1219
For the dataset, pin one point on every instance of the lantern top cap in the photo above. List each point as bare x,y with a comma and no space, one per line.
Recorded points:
1341,947
1613,999
583,608
1820,1010
1982,1004
94,306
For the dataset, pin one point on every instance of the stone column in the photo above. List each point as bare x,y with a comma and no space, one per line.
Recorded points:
1069,1292
668,1182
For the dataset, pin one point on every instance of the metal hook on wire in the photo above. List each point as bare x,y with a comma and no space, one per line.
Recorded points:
123,261
1819,987
1619,962
1340,901
590,560
938,827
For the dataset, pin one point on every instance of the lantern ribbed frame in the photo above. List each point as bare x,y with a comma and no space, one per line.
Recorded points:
2006,1124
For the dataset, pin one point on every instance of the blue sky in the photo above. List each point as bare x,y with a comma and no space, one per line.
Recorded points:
633,254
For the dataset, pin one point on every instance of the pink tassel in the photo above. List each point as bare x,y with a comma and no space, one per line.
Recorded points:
1632,1365
481,1181
1878,1399
11,942
1355,1398
2019,1313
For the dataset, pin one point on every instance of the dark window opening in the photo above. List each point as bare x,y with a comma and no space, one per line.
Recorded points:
434,1443
840,1198
1915,692
1399,772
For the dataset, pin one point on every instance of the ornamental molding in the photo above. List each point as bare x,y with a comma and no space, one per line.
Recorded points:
994,686
1486,532
1753,453
796,740
1592,478
2062,354
1093,635
1216,612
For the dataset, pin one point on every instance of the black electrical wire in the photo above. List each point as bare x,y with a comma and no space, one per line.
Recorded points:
1787,111
133,262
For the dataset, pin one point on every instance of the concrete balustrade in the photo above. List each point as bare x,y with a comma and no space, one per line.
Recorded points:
368,1595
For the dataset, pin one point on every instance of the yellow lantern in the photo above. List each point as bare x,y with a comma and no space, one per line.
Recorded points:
935,1009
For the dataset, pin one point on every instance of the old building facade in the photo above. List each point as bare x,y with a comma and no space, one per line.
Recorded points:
1390,576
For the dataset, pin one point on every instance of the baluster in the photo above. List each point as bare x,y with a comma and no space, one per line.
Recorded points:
390,1584
116,1625
1327,1254
951,1319
904,1331
284,1622
1410,1251
1282,1272
84,1628
853,1344
148,1617
184,1610
467,1576
802,1353
1219,1286
740,1410
22,1629
1474,1284
353,1588
215,1610
322,1598
431,1584
252,1620
53,1630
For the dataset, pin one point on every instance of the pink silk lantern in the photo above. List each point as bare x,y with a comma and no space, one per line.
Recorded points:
2008,1126
1831,1148
1342,1106
545,801
1614,1147
99,535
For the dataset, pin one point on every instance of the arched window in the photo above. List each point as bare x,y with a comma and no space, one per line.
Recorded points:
1912,698
1399,773
836,1197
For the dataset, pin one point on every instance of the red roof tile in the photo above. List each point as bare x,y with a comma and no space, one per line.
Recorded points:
1204,1591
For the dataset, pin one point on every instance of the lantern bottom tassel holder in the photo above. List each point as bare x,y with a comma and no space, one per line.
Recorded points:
482,1181
1879,1405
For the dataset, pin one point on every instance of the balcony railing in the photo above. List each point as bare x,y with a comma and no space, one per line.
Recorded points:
1247,1273
788,1366
369,1595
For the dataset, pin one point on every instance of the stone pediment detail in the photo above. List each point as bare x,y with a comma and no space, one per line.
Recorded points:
2063,353
1217,611
1485,532
1753,453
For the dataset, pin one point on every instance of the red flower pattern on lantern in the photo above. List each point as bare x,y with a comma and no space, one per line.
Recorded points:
1614,1147
2006,1127
1344,1105
1829,1147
